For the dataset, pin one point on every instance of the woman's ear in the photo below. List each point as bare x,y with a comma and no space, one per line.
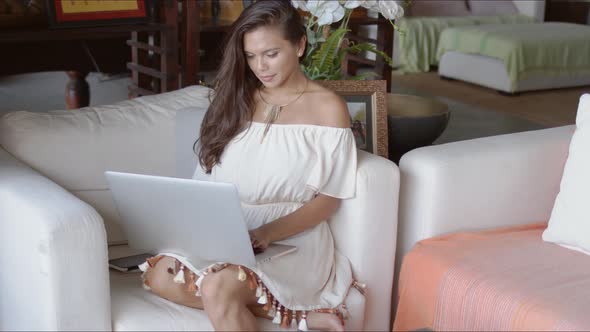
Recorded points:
301,46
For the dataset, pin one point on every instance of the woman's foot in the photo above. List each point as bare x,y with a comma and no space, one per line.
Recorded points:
324,322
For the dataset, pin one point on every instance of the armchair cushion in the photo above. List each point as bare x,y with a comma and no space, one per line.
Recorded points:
569,224
74,148
133,135
188,126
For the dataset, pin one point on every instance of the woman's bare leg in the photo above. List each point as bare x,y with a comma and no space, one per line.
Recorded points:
226,301
161,282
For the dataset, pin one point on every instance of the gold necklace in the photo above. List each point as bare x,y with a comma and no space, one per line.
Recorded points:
272,111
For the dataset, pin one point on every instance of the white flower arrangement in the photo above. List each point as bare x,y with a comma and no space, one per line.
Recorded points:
325,50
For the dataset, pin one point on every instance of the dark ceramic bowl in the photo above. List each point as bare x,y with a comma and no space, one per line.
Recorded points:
413,122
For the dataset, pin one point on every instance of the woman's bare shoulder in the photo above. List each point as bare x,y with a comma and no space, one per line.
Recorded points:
328,108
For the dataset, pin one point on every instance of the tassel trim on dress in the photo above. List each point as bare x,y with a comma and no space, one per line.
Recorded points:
179,278
281,316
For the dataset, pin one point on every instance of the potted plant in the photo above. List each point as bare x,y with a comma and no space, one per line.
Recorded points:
327,46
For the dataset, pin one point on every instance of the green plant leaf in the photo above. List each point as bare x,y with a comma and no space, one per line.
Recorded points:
324,58
365,47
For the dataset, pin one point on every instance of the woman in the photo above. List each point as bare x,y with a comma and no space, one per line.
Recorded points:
286,143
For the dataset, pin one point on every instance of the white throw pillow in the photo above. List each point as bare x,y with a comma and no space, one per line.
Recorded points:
569,225
188,126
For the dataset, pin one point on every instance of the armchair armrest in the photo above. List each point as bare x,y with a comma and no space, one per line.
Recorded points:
53,255
364,230
482,183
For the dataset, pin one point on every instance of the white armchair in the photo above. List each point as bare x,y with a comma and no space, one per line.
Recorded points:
57,216
480,184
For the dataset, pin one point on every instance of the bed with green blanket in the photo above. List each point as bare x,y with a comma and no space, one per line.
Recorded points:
517,57
418,40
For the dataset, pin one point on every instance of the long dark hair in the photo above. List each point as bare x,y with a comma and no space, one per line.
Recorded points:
232,100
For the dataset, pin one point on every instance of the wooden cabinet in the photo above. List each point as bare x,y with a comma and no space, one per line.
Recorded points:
567,11
175,56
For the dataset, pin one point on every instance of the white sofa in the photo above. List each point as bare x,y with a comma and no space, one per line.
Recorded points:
57,216
480,184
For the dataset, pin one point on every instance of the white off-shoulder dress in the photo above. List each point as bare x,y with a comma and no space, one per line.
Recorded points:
275,176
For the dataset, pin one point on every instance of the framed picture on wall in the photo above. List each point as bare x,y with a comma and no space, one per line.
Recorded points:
368,112
93,13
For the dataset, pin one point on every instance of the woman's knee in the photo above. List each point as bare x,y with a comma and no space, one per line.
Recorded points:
158,277
213,288
223,287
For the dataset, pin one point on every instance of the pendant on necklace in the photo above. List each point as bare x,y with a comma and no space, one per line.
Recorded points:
272,112
271,115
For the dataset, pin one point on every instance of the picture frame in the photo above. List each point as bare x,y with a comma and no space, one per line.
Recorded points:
368,112
95,13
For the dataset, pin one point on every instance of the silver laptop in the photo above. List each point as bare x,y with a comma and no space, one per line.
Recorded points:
199,220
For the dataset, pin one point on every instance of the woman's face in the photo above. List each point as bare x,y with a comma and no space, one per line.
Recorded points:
271,58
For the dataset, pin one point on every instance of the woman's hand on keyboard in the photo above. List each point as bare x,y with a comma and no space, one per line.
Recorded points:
258,239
